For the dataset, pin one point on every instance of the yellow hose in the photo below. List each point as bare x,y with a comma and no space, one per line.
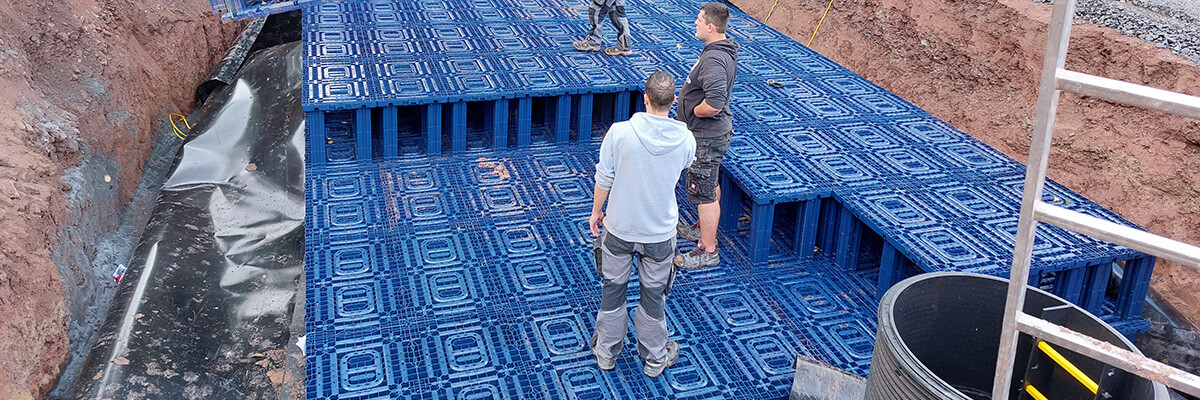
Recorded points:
814,35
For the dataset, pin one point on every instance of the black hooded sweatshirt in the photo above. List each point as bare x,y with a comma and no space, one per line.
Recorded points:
711,80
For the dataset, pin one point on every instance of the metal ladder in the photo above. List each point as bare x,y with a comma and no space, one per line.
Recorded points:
1054,80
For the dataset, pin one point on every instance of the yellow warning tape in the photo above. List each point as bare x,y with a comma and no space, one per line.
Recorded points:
179,133
1063,362
1034,393
814,35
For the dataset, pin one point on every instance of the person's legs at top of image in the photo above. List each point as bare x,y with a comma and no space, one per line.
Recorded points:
656,273
621,22
616,262
597,10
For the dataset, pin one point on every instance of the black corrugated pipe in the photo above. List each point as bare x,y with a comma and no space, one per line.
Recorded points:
939,334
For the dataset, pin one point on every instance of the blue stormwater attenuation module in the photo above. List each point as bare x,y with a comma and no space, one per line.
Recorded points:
465,276
231,10
449,179
510,62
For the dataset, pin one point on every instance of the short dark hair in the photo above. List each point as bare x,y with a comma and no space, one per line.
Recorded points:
717,14
660,88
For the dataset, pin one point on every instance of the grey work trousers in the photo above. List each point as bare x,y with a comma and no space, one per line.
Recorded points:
656,273
615,10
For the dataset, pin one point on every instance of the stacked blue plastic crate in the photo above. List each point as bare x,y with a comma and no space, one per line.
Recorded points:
245,9
433,60
469,276
845,152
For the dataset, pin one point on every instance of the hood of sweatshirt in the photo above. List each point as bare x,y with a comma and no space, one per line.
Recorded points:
726,46
659,135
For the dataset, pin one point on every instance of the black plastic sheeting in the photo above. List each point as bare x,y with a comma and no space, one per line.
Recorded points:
206,307
227,69
259,34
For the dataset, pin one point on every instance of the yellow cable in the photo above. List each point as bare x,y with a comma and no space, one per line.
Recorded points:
179,133
1034,393
1062,361
771,12
814,35
184,118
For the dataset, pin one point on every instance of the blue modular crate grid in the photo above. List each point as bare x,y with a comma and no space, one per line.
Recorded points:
436,59
246,9
449,177
409,299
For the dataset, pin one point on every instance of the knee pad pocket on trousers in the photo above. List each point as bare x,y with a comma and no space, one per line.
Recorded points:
653,302
612,295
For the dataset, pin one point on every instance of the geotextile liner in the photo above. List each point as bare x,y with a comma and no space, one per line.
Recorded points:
205,307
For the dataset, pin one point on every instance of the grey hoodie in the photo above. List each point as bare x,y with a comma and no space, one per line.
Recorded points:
640,162
711,80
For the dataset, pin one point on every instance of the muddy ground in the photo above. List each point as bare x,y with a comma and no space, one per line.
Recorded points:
85,84
976,64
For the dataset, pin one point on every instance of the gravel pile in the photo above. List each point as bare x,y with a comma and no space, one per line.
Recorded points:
1169,24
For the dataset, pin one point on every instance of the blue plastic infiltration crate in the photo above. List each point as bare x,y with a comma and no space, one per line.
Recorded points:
232,10
472,275
379,53
443,57
469,276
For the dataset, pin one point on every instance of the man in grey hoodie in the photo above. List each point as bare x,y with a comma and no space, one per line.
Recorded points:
704,106
640,162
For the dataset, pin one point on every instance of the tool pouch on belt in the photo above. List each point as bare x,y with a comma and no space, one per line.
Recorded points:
596,241
670,280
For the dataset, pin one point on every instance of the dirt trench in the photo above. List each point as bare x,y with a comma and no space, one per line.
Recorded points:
976,64
86,84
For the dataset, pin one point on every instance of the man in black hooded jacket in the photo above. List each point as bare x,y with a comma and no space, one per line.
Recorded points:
704,107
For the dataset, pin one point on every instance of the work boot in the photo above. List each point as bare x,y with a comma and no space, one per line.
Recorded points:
654,369
584,45
607,364
697,258
689,232
617,51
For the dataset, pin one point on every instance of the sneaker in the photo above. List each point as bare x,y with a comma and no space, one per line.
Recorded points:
607,364
697,258
654,369
583,45
689,232
617,51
